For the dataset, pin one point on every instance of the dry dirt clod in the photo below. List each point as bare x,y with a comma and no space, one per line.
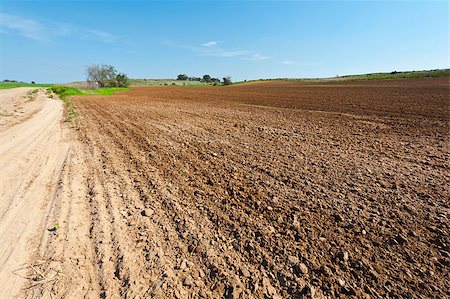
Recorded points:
338,218
348,290
183,265
269,290
293,259
340,282
343,256
188,281
245,273
303,268
148,212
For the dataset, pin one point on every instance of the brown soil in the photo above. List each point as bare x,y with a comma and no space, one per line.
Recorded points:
261,190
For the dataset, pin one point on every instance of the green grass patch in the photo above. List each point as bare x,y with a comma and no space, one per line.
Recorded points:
5,85
64,92
104,91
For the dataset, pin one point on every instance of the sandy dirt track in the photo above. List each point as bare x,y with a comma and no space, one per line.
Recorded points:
32,152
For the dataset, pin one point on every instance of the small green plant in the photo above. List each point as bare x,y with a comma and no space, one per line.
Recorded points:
31,95
54,228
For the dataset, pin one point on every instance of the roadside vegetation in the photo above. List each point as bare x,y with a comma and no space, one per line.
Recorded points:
64,92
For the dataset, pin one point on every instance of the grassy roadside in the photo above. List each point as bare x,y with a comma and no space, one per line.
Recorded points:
65,92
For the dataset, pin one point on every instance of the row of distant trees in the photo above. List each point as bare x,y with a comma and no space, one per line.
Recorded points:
105,75
15,81
205,79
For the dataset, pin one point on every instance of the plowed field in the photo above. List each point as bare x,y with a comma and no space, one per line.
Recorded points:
278,190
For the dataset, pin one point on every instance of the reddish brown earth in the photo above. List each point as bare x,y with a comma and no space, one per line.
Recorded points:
291,190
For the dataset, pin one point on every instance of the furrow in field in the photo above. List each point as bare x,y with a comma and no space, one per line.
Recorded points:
195,194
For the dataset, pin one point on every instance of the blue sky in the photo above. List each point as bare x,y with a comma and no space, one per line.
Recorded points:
53,41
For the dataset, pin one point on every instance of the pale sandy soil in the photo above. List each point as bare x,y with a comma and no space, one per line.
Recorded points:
17,104
32,152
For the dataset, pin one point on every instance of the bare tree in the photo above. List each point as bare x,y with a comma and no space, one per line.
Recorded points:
106,76
227,81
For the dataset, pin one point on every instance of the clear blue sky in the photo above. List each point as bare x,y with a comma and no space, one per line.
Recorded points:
53,41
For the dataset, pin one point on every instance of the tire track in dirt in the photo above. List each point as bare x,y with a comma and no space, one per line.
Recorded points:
172,205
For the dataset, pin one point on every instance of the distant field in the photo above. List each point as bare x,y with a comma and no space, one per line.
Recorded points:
4,85
400,75
84,87
372,76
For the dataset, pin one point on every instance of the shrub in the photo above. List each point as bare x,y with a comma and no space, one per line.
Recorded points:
182,77
227,81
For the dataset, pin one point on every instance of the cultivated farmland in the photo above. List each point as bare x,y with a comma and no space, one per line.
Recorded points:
276,189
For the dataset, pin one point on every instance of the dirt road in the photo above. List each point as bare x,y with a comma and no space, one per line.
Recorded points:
32,151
